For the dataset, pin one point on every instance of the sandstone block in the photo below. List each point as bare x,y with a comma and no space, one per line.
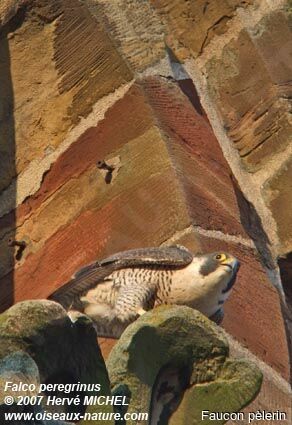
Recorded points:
278,196
196,157
61,61
191,25
251,89
135,28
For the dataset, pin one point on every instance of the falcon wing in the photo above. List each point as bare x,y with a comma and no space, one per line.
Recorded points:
87,277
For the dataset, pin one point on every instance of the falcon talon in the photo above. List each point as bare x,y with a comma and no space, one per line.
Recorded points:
113,291
141,311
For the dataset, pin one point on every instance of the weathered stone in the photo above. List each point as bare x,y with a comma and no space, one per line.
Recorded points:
95,68
43,330
57,59
179,345
73,198
190,148
7,253
76,172
9,8
278,196
15,368
285,265
20,369
197,158
236,385
277,193
29,110
272,36
275,394
253,95
192,24
40,344
135,28
54,83
252,222
95,144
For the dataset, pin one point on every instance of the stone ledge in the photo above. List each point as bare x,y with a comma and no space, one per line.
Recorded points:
173,358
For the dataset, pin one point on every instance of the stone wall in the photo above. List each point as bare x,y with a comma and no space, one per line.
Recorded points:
190,100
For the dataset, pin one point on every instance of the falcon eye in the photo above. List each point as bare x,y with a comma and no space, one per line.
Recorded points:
220,256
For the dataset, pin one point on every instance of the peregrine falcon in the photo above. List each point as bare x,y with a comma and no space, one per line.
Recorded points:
113,292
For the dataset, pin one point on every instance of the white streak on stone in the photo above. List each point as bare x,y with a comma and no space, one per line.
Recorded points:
214,234
29,181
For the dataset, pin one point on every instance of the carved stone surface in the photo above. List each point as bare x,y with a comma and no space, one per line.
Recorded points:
173,348
251,88
40,344
191,25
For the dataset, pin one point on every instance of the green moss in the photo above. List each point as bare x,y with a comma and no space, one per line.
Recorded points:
182,338
236,385
60,349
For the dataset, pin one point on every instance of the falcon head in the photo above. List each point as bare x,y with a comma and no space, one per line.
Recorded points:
220,267
213,278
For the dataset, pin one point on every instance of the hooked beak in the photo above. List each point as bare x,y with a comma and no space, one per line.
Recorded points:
232,263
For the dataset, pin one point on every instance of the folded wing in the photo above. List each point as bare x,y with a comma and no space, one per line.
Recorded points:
90,275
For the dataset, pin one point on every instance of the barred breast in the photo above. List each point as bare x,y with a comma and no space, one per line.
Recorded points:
157,278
